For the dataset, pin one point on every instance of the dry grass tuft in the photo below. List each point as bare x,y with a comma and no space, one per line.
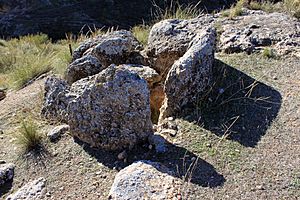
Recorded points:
176,11
28,137
141,32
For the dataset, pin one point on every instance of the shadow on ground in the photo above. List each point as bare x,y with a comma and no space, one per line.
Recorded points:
184,163
6,188
237,107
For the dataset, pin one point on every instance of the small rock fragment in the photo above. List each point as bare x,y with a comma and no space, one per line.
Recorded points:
6,173
122,155
57,132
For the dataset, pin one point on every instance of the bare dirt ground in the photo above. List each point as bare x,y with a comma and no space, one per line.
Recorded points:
245,138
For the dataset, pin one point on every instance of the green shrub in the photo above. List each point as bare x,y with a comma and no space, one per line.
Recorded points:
28,137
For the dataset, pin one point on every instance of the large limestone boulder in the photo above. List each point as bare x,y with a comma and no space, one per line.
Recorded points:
33,190
190,75
145,180
257,29
109,110
6,173
170,39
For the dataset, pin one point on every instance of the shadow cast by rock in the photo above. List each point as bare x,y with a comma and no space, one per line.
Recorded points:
185,164
237,107
36,157
4,189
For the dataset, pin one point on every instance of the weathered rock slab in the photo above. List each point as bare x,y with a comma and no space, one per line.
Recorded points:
257,29
170,39
32,190
190,75
145,180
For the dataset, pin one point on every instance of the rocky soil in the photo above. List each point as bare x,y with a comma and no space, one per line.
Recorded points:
227,122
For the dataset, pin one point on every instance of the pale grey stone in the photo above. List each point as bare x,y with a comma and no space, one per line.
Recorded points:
6,173
83,67
144,180
190,75
57,132
31,191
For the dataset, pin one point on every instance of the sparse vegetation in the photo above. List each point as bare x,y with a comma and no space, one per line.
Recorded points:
177,11
293,7
235,10
268,53
290,6
28,137
30,56
173,11
296,182
141,32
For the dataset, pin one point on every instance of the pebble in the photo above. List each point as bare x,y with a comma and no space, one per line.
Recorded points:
2,162
170,132
48,194
98,173
122,155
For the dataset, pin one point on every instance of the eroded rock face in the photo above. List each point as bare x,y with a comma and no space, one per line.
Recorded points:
96,54
83,67
170,39
145,180
190,75
32,190
149,74
110,110
6,173
257,29
56,99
